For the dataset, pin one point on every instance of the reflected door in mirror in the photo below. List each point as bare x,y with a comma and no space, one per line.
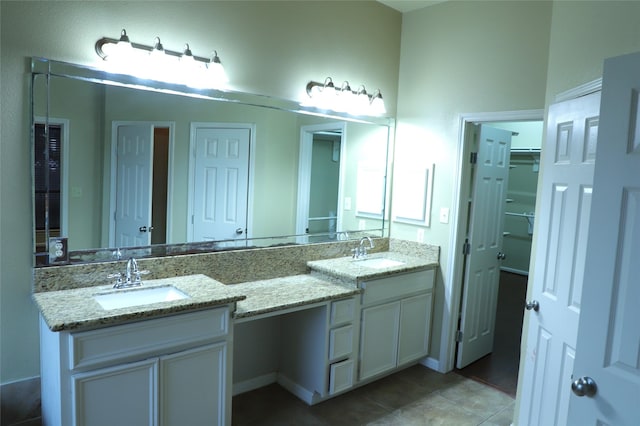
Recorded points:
133,185
221,179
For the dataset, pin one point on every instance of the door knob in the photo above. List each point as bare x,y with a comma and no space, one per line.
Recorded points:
239,231
532,305
142,229
584,386
501,256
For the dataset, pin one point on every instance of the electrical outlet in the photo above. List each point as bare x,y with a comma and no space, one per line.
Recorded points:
444,215
420,235
362,225
58,252
347,203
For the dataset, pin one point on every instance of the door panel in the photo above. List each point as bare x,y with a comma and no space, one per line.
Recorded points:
129,388
482,268
192,388
608,338
379,339
558,262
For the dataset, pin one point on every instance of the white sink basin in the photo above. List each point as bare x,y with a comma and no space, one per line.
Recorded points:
379,263
137,297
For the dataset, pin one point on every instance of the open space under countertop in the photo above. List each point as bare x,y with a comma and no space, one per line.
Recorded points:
289,292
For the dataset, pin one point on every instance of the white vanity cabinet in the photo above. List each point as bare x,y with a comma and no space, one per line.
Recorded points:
319,349
396,321
343,334
164,371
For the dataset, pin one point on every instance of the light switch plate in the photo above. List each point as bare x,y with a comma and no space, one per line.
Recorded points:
444,215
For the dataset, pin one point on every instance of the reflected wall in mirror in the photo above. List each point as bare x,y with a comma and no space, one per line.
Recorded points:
143,168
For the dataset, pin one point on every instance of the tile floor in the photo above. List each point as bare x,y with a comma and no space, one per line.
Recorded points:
415,396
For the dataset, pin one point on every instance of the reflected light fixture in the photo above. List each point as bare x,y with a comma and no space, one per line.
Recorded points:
325,96
155,62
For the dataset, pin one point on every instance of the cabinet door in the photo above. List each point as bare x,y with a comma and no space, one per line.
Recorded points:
121,395
379,339
415,325
193,386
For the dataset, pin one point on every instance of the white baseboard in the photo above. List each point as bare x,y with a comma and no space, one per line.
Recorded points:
431,363
20,401
254,383
304,394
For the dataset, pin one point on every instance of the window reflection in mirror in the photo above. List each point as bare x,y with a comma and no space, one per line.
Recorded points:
47,184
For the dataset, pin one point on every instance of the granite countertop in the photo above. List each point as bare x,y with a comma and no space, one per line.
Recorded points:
288,292
76,309
357,270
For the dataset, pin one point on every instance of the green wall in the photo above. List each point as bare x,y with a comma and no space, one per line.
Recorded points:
268,47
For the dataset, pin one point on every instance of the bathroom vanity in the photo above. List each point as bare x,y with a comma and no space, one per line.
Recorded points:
143,364
341,324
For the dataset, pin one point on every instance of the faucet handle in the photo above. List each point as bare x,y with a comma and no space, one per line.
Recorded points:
118,277
144,272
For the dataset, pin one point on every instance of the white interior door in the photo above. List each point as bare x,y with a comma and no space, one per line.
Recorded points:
608,346
221,178
133,185
482,269
556,276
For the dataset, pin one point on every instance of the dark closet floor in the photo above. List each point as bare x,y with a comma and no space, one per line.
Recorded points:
500,368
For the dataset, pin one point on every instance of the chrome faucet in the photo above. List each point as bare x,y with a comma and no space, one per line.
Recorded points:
361,251
132,266
131,277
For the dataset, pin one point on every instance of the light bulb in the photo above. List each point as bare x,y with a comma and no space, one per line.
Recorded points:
377,104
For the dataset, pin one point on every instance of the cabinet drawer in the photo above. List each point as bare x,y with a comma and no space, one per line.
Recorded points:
396,286
138,340
342,311
341,376
340,342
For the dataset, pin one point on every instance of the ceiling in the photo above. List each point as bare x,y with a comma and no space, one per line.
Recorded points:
409,5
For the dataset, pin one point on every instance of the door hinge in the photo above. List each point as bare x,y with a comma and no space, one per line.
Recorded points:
474,158
459,336
466,247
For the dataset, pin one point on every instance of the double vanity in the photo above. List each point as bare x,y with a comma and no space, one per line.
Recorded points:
177,348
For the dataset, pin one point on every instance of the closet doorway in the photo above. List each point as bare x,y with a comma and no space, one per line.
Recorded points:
500,367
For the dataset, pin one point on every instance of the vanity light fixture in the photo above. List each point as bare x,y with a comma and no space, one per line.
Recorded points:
377,103
155,62
325,96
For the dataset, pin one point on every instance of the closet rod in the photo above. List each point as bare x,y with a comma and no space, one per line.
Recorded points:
528,215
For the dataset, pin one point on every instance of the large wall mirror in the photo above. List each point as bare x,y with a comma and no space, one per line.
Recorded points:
127,166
